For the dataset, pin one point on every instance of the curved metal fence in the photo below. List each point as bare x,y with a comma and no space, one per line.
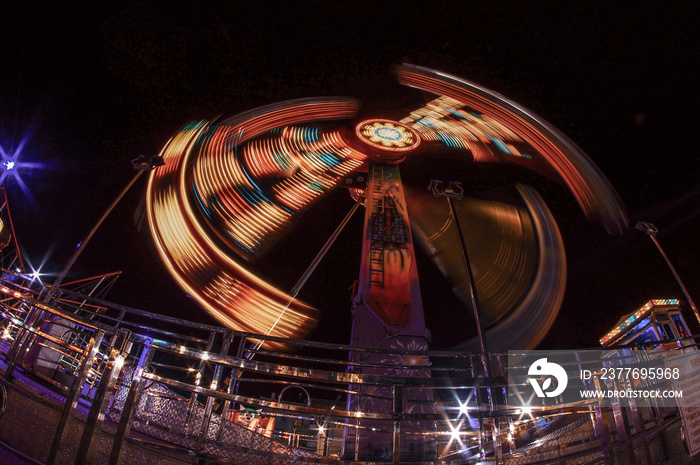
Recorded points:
217,395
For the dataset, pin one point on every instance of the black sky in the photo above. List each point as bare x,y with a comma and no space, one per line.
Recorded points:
93,86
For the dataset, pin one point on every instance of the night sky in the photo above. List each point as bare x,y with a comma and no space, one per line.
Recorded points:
84,90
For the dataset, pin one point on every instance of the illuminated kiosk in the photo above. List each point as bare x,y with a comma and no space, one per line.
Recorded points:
657,320
252,390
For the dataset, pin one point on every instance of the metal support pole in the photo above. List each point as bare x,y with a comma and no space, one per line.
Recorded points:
481,329
141,164
81,247
294,292
651,231
454,190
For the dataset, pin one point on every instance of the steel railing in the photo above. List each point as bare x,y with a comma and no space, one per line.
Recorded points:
215,392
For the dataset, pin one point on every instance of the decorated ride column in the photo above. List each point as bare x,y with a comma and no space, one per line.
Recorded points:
388,311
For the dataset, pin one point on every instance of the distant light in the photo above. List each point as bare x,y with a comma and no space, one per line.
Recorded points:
321,428
455,432
36,274
463,408
12,167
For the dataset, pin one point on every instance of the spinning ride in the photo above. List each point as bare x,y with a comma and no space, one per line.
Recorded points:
231,189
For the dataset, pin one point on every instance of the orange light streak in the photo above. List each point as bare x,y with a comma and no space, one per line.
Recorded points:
210,191
553,151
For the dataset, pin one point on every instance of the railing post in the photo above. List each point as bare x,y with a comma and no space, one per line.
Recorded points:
227,404
22,342
601,430
202,436
620,427
93,425
496,431
357,425
639,430
397,411
478,394
131,402
193,397
232,386
71,404
120,318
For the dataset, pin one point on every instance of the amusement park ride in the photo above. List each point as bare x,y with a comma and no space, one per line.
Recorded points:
228,193
231,189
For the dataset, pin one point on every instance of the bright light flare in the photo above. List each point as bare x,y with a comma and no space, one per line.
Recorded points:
526,413
36,275
454,432
11,168
455,435
464,409
9,164
7,332
321,428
